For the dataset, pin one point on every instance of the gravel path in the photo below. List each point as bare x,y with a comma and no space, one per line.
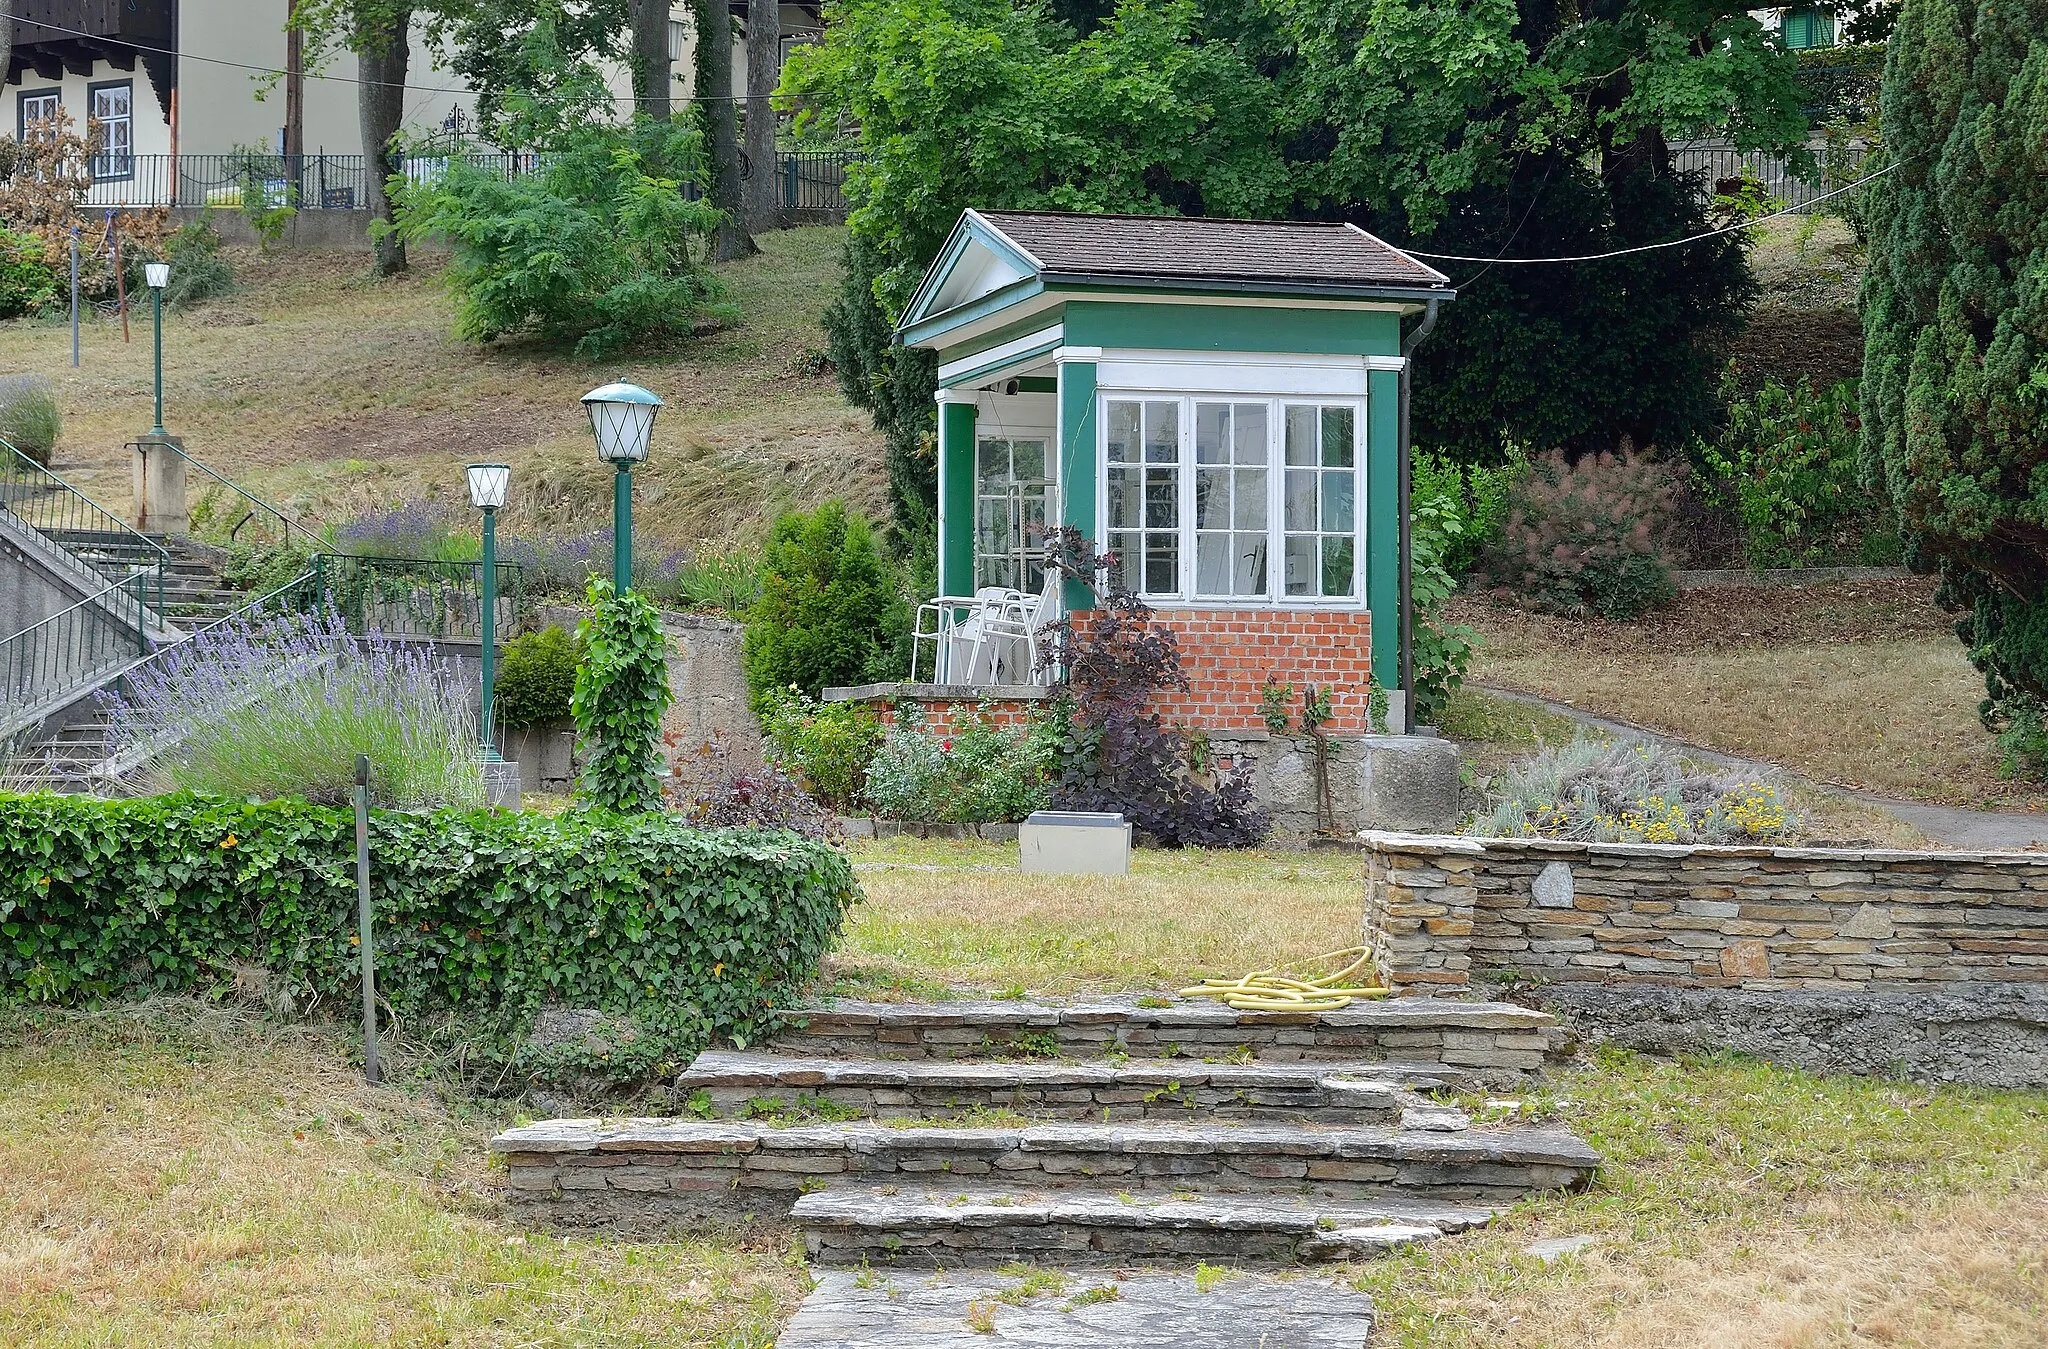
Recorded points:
1949,826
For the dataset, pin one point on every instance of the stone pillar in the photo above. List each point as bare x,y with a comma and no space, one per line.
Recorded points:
159,495
1419,896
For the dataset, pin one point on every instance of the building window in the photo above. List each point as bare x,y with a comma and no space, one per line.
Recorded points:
1013,502
113,109
1808,27
36,105
1201,495
678,32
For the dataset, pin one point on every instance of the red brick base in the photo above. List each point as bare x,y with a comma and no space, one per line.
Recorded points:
1228,654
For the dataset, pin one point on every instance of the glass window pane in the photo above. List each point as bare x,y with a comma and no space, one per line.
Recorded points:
1162,433
1162,564
1027,460
992,460
1212,564
1337,515
1212,433
1248,432
1162,498
1249,507
1337,567
1212,498
1123,433
1251,564
1337,437
1301,434
1301,565
1301,499
1123,499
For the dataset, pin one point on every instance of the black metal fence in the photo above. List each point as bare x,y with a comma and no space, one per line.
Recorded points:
1718,162
415,597
324,182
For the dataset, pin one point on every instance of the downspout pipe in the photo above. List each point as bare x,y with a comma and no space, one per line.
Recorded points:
1406,479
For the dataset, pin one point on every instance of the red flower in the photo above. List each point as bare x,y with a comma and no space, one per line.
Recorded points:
946,746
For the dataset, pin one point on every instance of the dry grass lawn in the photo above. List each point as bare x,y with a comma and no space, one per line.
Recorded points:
185,1178
1859,685
332,394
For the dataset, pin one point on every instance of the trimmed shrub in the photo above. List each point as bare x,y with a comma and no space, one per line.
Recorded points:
690,933
824,746
30,419
829,612
969,771
621,692
1587,535
29,283
1630,792
536,679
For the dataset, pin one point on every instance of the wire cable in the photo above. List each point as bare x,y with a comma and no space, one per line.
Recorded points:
1669,243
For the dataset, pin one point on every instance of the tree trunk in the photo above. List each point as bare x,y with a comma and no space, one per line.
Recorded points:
653,79
7,39
383,52
764,59
713,21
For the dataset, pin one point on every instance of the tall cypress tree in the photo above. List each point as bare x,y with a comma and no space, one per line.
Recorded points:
1955,313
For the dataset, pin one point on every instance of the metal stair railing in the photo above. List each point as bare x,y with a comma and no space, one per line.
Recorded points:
72,521
94,640
288,529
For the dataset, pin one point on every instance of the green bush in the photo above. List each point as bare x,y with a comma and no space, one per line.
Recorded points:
1443,649
593,250
489,917
971,771
830,613
825,747
28,283
1474,496
1587,535
1787,466
621,692
30,419
198,271
536,679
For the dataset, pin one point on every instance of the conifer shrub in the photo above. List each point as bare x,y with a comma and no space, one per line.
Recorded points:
830,612
1587,536
536,679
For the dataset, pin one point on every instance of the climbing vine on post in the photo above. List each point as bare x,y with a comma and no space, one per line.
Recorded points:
621,692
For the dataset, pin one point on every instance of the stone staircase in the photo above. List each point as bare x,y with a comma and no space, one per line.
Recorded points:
194,593
1104,1133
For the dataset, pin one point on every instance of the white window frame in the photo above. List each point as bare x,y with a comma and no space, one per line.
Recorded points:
1186,595
109,165
22,100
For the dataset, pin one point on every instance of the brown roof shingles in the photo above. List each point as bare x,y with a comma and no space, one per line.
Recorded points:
1196,248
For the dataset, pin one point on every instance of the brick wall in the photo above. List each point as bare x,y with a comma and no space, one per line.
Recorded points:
1440,911
1229,653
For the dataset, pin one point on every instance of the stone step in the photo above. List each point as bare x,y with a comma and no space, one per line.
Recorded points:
1496,1043
920,1225
589,1169
1173,1089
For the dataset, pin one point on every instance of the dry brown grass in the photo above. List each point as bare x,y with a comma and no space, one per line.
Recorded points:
1862,686
186,1178
944,915
333,394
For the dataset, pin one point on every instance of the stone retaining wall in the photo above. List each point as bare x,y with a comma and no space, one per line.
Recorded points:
1440,910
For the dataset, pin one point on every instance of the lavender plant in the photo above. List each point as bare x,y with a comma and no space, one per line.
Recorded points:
282,706
562,564
419,529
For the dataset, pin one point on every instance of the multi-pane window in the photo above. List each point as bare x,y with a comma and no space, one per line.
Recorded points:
1013,501
1233,498
38,106
1231,455
113,117
1321,501
1144,490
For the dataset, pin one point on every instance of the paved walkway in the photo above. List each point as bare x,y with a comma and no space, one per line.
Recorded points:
1077,1309
1949,826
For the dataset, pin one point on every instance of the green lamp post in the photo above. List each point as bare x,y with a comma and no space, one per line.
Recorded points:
488,484
622,419
158,274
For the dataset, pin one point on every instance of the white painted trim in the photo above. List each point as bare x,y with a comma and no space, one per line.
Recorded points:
1066,354
1384,244
990,226
1264,374
1394,363
945,396
1001,354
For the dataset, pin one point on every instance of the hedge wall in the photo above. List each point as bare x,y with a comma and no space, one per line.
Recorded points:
689,933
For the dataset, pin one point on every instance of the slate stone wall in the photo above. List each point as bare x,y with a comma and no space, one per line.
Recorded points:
1442,911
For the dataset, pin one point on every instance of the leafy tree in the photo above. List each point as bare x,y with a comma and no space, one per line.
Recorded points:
829,612
620,694
1955,313
593,250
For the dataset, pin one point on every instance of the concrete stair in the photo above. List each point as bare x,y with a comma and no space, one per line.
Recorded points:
957,1151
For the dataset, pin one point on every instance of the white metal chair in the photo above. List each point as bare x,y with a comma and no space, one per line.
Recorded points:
959,623
1016,623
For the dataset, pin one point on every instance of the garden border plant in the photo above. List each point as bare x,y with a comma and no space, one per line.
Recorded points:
482,920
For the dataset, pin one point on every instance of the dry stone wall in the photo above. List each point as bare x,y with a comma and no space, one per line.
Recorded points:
1440,911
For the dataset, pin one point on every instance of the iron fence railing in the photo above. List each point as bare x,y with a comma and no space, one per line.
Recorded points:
254,520
1717,162
73,522
74,648
414,597
320,181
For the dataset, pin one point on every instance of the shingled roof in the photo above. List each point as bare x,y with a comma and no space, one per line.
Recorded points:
1198,249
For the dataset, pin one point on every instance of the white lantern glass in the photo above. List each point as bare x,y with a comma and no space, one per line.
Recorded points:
158,274
488,484
622,419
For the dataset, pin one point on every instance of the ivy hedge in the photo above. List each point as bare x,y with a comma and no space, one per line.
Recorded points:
682,933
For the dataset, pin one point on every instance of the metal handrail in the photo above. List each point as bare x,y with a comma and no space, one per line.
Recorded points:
71,646
19,466
413,596
318,541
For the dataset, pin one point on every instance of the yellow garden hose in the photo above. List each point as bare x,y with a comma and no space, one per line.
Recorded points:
1268,990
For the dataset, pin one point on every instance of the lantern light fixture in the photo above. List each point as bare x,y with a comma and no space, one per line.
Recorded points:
488,484
622,419
158,274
